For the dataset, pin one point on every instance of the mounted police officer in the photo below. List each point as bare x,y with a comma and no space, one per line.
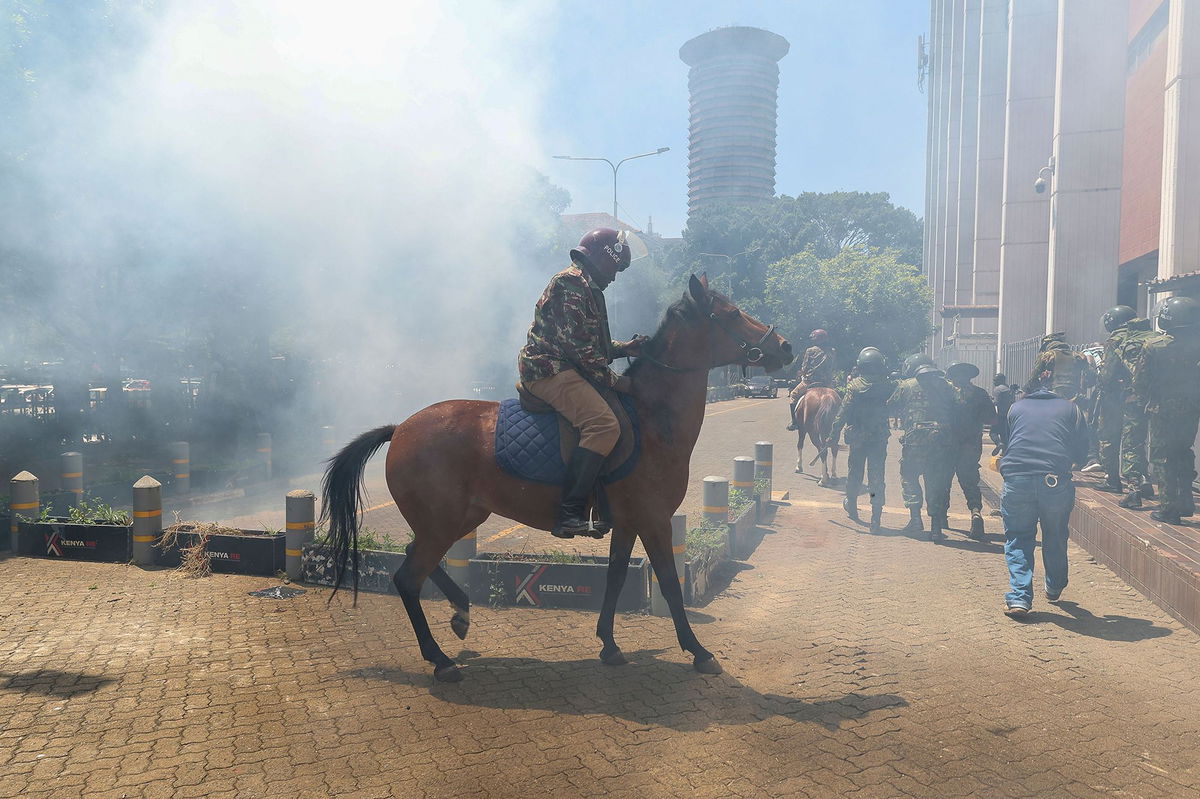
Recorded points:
1123,422
1167,378
864,414
566,364
816,370
973,410
926,404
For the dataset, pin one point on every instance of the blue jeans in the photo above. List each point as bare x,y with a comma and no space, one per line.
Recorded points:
1026,500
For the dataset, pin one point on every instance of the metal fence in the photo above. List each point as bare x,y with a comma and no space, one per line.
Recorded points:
976,348
1017,358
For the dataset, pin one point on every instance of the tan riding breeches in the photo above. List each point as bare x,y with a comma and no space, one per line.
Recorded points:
583,407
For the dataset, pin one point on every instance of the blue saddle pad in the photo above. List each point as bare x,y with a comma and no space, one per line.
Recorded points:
528,445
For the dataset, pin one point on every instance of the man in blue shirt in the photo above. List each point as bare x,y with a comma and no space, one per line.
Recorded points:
1047,434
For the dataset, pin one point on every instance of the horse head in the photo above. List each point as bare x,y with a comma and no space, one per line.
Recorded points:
734,336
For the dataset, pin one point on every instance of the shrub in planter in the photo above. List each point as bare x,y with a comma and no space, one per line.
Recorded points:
554,580
379,557
90,530
199,548
707,547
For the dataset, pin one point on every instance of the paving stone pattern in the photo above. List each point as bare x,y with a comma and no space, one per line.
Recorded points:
856,665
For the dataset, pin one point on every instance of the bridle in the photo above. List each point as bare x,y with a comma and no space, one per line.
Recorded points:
753,352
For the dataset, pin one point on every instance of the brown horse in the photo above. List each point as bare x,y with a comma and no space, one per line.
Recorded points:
441,471
814,418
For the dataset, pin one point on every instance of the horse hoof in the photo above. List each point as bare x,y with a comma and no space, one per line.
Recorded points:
449,673
710,666
798,470
614,658
460,626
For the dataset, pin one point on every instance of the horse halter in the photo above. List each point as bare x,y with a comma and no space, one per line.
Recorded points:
754,352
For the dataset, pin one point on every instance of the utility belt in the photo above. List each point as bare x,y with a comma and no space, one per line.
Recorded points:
920,433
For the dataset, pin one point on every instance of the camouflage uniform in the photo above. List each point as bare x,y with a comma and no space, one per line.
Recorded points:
1060,369
1114,383
925,418
1129,410
864,414
1167,377
816,369
973,409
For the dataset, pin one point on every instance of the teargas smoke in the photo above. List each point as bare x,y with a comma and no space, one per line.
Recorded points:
346,183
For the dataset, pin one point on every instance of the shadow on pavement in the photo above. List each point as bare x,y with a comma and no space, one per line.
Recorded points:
1109,627
648,691
53,683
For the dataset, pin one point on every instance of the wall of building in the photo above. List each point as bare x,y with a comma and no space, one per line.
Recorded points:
1141,196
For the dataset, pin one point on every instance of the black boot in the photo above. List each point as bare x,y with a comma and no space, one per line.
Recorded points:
876,518
915,525
1112,485
936,523
1166,515
1147,490
977,524
1132,500
850,505
581,478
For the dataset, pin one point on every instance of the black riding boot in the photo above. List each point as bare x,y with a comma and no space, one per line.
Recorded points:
791,415
581,478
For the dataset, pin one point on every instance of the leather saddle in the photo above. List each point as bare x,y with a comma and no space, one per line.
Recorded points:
621,460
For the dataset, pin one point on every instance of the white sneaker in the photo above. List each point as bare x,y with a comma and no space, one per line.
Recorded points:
1092,467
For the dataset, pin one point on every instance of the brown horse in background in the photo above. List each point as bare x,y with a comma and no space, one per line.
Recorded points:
815,413
441,471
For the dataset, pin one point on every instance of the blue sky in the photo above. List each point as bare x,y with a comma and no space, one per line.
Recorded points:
850,114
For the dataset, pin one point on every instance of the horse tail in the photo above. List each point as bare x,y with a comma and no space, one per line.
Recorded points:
342,498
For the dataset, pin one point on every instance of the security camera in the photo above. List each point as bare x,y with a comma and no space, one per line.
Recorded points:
1039,185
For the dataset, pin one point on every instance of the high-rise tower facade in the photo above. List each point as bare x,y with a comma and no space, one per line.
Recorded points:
734,84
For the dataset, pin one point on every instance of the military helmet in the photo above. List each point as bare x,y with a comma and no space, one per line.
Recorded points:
928,369
1058,337
1178,312
913,361
819,336
967,370
870,361
605,249
1116,316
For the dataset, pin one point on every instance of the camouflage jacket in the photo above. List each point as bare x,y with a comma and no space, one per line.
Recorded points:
1167,374
817,367
1063,371
973,408
1121,353
569,331
864,411
926,416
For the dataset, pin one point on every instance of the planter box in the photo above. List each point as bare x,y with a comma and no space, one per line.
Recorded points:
376,568
744,535
103,543
697,575
250,553
546,584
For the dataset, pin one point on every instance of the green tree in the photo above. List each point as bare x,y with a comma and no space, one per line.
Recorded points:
862,296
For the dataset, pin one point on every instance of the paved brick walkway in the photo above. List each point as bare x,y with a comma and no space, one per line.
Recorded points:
856,665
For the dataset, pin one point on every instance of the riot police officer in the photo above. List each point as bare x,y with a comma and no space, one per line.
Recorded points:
864,414
926,404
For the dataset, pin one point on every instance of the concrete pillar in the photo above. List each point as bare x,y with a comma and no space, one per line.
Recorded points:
1028,145
300,518
658,605
263,448
1179,234
1085,202
967,159
743,474
947,295
147,519
72,475
939,110
716,500
24,499
458,560
764,466
989,158
181,466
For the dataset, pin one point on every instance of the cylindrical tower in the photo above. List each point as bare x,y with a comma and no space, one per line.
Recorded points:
734,83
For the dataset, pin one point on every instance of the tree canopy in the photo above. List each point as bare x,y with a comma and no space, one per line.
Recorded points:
862,296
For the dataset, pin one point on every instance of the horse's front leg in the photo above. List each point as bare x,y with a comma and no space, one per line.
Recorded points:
619,548
800,451
656,538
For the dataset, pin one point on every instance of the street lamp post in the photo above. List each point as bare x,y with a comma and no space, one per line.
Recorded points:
729,263
614,167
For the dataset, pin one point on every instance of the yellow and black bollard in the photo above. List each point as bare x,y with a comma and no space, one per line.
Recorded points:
764,466
301,514
181,466
147,519
24,501
72,475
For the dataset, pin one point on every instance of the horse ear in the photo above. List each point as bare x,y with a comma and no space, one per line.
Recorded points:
698,291
704,280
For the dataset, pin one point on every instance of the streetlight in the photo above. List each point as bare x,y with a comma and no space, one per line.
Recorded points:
615,167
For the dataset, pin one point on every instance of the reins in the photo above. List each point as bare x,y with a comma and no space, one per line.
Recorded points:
754,353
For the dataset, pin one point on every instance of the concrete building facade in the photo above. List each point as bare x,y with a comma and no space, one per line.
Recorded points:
1063,169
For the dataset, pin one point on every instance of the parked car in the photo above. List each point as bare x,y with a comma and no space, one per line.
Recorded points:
761,386
783,381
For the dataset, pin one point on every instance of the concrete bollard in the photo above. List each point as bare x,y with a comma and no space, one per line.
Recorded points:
147,519
764,466
301,515
24,499
743,474
72,475
263,448
458,560
328,441
658,604
181,466
716,505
